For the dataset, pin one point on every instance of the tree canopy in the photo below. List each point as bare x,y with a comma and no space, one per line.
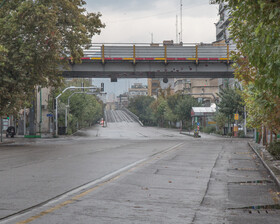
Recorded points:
164,110
37,38
231,101
255,28
84,109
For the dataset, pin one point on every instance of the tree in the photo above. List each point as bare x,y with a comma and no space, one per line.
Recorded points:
221,120
255,28
231,102
84,109
184,107
160,108
140,106
38,37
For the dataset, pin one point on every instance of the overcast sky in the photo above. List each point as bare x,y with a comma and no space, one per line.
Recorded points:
134,21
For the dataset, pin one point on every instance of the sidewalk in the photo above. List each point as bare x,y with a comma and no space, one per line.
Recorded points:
18,139
6,140
272,165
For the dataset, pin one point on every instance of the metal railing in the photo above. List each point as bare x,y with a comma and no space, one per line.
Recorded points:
161,52
135,117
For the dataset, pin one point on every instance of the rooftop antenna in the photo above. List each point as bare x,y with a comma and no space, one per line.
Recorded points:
181,15
177,41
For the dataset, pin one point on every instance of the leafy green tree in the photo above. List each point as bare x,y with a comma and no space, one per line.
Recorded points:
160,108
38,37
184,107
84,110
140,106
165,110
255,28
231,102
221,119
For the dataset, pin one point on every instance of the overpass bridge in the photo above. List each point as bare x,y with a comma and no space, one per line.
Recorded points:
154,61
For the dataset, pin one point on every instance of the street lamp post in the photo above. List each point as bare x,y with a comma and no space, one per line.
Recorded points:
56,103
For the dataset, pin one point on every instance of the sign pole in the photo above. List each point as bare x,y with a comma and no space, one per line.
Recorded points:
236,118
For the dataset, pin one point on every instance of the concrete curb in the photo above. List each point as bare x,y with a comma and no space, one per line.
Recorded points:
274,177
191,135
6,143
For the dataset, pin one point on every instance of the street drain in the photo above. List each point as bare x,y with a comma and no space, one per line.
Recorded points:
253,182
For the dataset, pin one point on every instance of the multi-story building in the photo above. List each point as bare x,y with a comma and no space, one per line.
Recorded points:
138,89
153,87
222,32
122,101
223,35
205,90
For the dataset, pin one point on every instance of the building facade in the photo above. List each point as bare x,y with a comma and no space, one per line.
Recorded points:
137,89
205,90
222,32
153,87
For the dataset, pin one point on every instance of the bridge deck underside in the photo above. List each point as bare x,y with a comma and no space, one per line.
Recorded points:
150,69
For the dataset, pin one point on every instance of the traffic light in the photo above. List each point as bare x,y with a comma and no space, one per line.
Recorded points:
102,87
8,117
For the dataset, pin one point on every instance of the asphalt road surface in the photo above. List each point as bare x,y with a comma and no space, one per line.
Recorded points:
126,173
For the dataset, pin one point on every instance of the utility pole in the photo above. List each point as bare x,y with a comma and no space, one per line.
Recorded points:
24,121
245,121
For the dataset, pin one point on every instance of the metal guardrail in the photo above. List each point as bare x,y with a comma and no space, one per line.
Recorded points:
132,115
160,52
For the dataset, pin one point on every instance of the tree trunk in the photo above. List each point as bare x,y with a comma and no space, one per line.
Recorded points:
260,136
275,136
32,116
264,136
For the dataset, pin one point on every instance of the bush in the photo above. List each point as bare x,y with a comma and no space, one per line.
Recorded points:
241,134
274,149
209,129
230,134
219,132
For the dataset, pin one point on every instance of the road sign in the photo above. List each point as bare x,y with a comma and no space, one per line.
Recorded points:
49,115
236,117
197,123
212,122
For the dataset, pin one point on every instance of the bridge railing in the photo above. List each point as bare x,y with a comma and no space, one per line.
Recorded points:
161,52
